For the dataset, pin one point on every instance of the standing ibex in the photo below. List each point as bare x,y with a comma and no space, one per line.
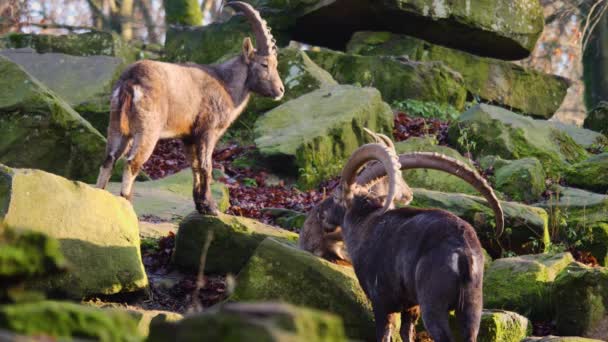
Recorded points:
408,257
197,103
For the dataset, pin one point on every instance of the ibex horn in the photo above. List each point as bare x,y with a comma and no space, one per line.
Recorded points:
265,43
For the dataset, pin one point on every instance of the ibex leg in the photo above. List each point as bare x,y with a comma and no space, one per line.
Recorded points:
202,189
385,324
143,146
409,317
115,148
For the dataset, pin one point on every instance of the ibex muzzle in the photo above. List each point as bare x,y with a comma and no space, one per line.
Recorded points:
197,103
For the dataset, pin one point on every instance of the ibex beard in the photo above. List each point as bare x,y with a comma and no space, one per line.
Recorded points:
196,103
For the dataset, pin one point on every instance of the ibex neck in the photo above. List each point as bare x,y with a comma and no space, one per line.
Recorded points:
233,73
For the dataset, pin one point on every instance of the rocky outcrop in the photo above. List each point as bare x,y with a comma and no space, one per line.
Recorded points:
590,174
520,180
597,119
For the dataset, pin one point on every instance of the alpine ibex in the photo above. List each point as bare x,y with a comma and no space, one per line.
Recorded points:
197,103
410,257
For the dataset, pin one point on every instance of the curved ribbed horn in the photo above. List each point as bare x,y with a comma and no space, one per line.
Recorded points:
437,161
380,138
265,43
388,162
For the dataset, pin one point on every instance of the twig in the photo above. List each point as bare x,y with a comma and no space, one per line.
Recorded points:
58,26
200,278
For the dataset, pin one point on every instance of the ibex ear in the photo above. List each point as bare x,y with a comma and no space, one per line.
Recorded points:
248,50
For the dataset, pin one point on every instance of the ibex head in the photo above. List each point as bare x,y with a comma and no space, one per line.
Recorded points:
262,74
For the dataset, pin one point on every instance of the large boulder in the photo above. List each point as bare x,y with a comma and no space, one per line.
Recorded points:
526,227
503,326
489,130
587,138
264,322
66,321
234,240
313,135
590,174
597,119
40,130
85,83
97,232
581,304
523,284
585,215
502,29
397,79
524,90
278,271
95,43
433,179
520,180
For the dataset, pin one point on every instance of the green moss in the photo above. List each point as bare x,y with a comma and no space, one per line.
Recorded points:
582,309
493,80
68,320
560,339
526,227
504,326
489,130
313,135
522,180
182,12
97,232
523,284
597,119
281,272
590,174
237,236
396,79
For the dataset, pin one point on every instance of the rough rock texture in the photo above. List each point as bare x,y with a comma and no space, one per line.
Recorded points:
504,326
520,180
586,213
503,29
523,284
526,229
590,174
587,138
85,83
65,320
524,90
234,241
281,272
40,130
397,79
597,119
582,309
264,322
170,199
83,44
490,130
97,231
432,179
313,135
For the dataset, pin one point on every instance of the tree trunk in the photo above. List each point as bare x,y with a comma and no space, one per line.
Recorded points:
595,64
126,20
182,12
146,10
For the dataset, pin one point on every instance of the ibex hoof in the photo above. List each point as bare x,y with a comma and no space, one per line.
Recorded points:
207,209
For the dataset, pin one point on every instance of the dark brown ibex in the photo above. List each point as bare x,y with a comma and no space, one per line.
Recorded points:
408,257
197,103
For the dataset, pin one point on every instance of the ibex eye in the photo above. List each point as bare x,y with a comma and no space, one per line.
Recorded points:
265,65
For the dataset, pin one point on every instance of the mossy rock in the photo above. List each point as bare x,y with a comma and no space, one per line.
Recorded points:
552,338
502,29
97,232
489,130
65,320
300,75
95,43
312,136
526,227
278,271
396,79
40,130
286,218
521,180
85,83
590,174
597,119
586,213
234,241
492,80
581,305
587,138
253,322
433,179
523,284
170,199
503,326
183,12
